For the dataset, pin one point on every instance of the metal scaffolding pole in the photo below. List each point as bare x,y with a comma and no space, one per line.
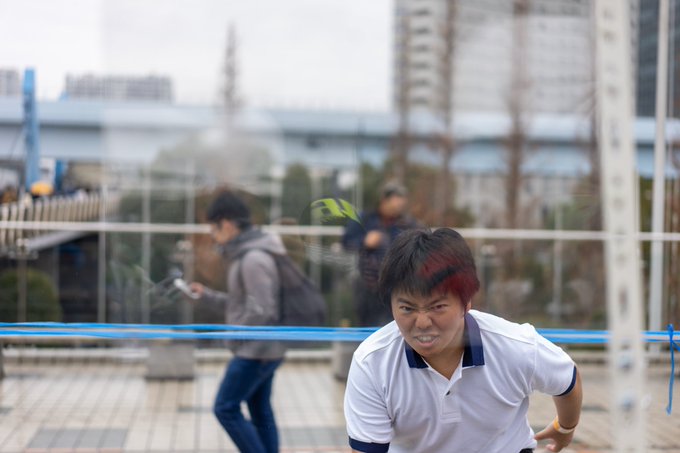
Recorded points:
619,190
656,272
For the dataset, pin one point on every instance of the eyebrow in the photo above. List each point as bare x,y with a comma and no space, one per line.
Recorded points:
407,302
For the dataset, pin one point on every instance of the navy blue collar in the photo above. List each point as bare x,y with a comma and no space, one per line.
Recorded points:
473,355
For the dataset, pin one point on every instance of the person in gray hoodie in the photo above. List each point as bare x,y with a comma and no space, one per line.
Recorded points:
253,299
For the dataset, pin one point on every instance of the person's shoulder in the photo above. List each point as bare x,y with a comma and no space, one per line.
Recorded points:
408,221
264,244
370,216
378,343
257,257
496,326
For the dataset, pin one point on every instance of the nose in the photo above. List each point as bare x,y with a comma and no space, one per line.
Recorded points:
423,320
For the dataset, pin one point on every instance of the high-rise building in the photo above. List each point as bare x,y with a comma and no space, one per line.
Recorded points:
119,88
544,48
646,64
10,83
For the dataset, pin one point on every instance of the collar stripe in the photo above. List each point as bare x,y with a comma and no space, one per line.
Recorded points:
474,349
414,359
368,447
571,386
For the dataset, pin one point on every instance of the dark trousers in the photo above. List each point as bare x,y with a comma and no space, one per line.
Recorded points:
251,381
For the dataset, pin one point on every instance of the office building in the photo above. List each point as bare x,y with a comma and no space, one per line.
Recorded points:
648,42
543,46
10,83
119,88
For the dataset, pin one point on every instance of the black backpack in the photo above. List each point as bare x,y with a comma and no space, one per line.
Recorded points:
300,301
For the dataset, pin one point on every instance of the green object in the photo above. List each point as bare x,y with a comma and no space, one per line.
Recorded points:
335,211
42,301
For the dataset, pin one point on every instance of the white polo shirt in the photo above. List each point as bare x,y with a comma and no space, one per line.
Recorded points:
395,401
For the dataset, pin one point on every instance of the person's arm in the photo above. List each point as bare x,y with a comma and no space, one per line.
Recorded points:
209,295
568,409
374,239
369,426
354,235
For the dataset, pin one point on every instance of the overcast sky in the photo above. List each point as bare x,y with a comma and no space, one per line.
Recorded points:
305,53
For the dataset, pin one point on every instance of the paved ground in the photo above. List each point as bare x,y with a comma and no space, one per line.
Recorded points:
66,403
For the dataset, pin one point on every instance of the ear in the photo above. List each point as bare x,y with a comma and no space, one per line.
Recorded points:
468,306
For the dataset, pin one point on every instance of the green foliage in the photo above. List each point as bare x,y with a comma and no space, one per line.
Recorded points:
128,247
296,191
646,186
570,218
42,302
581,212
371,180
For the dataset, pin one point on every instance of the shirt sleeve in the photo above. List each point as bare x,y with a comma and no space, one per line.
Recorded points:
214,297
554,370
369,426
353,237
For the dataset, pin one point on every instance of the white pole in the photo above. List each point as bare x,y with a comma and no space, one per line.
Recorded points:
656,271
190,214
101,258
145,306
624,296
557,269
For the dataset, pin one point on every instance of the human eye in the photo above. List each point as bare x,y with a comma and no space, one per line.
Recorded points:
438,308
405,309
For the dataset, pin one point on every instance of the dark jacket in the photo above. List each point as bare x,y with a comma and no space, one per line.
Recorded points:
253,297
370,259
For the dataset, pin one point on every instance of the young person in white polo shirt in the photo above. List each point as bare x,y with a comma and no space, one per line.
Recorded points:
444,378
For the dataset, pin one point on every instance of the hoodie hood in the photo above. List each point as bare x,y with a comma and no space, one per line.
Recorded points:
253,238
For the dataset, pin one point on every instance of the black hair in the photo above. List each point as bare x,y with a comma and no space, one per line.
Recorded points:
423,262
392,189
229,206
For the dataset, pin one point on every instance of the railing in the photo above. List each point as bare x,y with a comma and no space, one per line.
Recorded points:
74,208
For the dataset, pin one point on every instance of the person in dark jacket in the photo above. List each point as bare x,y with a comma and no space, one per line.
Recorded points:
371,238
253,283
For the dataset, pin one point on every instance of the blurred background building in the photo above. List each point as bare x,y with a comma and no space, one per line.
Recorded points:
648,42
119,88
551,42
493,112
10,83
137,134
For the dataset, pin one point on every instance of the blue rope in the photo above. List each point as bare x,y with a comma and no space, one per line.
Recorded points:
287,333
222,331
671,381
193,327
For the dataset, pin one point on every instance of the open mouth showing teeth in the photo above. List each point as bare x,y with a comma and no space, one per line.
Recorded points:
425,339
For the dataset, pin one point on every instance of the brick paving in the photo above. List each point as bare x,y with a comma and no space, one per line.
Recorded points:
86,403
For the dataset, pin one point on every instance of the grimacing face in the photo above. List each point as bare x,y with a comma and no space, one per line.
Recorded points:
432,325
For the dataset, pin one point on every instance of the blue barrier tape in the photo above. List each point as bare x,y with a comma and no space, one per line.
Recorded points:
286,333
192,327
221,331
226,335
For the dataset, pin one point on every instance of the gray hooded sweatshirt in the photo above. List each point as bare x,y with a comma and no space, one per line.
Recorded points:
253,298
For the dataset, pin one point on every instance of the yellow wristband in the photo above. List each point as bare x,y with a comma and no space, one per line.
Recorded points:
560,429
